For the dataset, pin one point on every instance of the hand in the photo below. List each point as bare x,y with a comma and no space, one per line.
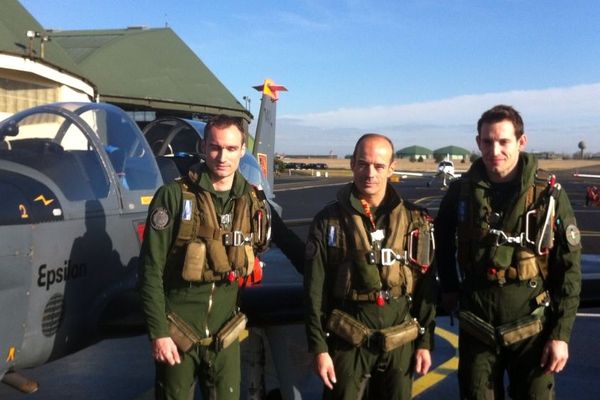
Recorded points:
554,356
449,301
165,351
422,361
324,368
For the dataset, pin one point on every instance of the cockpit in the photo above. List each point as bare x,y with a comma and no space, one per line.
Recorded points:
75,145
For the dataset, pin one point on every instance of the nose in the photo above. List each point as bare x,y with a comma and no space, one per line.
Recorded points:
220,155
496,148
372,171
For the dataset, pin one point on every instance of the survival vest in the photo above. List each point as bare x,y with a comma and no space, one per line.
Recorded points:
519,248
229,243
372,270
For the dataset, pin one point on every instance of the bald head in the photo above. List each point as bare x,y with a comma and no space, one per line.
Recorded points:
373,136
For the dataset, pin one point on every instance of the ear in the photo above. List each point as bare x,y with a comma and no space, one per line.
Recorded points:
522,142
478,140
243,150
391,168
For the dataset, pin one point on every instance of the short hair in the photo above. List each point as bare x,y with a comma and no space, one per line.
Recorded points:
223,121
372,136
500,113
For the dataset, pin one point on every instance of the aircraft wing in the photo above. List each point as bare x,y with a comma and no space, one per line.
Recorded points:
593,176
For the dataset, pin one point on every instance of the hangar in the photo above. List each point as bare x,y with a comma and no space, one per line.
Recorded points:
148,72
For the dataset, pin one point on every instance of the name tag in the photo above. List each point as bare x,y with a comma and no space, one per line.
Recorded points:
186,214
331,236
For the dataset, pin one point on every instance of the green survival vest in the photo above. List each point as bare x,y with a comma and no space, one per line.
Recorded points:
364,269
514,251
227,249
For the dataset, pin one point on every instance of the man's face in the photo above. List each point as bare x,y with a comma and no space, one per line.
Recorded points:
372,167
500,150
223,149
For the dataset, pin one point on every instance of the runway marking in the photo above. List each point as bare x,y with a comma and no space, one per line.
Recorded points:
590,233
588,315
422,199
442,371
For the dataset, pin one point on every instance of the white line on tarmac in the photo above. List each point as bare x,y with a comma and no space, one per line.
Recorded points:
589,315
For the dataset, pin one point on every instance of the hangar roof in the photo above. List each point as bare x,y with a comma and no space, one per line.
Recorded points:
15,21
140,68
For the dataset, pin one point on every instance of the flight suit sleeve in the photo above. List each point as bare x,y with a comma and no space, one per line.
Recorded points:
424,307
445,240
160,232
564,268
315,285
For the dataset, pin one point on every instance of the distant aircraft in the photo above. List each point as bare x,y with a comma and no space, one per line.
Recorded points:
76,180
445,170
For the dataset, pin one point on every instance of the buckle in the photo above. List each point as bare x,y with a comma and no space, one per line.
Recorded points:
502,238
236,238
388,257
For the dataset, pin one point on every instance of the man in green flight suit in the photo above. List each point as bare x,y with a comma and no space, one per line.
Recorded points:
518,249
201,236
370,291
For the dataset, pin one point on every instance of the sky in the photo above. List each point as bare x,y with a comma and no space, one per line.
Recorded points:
420,71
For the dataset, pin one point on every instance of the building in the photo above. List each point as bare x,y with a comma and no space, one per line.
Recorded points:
35,70
414,152
147,72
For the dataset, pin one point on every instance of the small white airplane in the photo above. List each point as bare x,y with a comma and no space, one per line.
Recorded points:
445,170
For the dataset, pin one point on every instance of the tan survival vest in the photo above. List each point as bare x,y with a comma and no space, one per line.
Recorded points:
503,254
365,270
221,253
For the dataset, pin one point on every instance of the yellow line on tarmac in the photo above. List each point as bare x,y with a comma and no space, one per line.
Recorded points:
442,371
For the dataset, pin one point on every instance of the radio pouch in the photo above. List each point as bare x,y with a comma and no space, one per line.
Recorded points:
520,329
477,328
398,335
231,331
347,328
182,334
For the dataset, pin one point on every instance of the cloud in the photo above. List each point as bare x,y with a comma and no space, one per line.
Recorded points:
556,119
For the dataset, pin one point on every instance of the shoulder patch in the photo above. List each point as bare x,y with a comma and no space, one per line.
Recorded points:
310,250
573,235
160,218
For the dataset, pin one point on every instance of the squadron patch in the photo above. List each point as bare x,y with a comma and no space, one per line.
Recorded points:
573,235
160,218
310,251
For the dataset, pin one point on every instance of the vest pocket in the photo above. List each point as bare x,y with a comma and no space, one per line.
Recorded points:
527,265
217,257
195,260
390,274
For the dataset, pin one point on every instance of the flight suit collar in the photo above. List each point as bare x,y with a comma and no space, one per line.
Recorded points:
349,200
527,166
238,189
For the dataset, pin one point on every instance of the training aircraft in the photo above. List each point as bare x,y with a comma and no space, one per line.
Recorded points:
76,181
445,170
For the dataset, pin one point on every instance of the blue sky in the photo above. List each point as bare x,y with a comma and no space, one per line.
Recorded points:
421,71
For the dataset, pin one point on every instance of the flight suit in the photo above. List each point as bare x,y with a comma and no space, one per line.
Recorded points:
204,306
504,281
329,246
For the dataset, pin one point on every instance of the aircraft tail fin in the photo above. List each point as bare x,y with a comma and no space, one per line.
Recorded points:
264,138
